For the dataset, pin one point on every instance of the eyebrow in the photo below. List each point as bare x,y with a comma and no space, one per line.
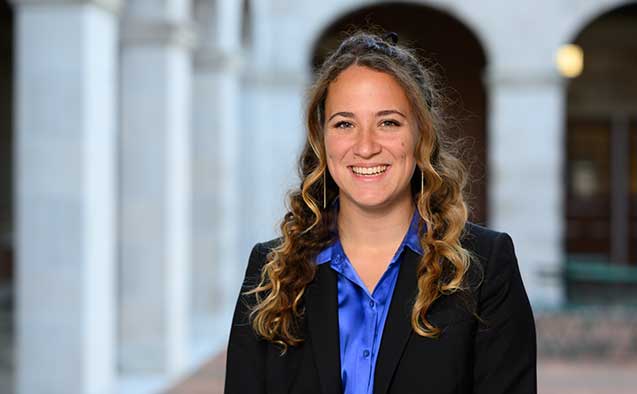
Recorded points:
379,113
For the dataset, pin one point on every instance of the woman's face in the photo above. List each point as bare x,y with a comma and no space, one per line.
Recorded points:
370,138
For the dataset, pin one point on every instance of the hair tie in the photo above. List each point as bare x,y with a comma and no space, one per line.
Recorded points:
391,36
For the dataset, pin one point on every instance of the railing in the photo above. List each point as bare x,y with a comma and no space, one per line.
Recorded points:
597,271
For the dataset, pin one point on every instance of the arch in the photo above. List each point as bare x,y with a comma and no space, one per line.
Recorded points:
587,16
463,74
343,8
601,154
401,7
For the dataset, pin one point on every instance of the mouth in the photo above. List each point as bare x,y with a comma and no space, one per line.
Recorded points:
369,171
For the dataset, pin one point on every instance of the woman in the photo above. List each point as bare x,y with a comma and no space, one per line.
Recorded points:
379,284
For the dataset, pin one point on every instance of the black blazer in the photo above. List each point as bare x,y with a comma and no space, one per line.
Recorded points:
495,354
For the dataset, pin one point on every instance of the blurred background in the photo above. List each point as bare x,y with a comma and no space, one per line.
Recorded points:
146,145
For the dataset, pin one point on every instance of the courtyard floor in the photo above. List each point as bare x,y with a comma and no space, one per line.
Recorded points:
554,377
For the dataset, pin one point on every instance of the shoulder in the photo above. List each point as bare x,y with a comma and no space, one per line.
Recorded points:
478,239
495,271
259,256
268,246
256,261
483,242
493,252
261,249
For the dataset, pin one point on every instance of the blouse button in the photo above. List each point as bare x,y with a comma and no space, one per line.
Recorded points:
371,304
366,353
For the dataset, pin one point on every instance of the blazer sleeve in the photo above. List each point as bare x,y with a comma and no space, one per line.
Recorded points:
245,362
505,343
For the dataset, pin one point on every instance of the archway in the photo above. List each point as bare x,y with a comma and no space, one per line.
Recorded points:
6,196
601,168
449,44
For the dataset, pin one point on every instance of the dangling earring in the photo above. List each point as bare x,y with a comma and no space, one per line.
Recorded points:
422,182
324,189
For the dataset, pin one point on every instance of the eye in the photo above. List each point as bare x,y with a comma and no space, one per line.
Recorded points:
343,124
390,123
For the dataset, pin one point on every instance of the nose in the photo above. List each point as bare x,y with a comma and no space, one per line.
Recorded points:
366,145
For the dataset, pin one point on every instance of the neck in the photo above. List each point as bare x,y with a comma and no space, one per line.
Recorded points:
374,229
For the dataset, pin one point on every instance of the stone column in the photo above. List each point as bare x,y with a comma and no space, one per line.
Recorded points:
526,155
275,77
157,40
274,135
65,193
216,172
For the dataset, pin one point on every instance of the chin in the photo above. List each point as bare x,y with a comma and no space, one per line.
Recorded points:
371,201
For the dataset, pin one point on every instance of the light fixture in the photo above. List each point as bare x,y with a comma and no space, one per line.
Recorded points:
570,60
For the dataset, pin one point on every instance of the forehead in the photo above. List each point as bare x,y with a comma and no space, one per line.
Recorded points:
366,89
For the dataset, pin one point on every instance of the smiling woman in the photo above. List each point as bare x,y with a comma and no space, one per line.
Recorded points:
385,287
370,140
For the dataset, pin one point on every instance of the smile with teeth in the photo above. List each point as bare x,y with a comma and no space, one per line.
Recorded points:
369,171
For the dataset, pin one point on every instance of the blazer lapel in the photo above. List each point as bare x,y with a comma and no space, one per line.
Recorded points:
322,320
398,324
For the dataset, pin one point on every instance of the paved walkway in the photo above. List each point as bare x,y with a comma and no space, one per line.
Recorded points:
207,380
587,377
554,377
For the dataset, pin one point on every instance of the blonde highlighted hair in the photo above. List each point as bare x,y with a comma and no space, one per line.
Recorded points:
305,228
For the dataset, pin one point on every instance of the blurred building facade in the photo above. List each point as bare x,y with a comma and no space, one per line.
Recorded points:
146,145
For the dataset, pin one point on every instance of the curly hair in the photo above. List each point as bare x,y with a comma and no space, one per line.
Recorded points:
305,228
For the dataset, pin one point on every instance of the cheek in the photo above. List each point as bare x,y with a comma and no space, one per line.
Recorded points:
332,156
405,150
334,148
329,152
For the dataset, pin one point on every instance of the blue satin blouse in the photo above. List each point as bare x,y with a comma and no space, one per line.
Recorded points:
361,316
